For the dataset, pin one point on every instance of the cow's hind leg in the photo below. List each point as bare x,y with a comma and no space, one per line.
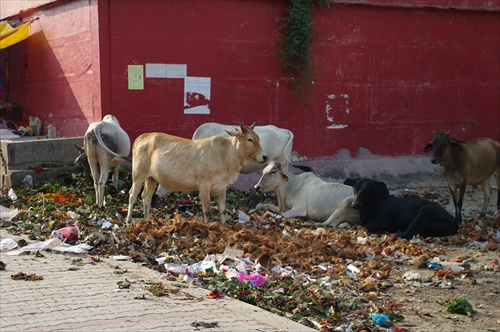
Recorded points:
497,178
147,194
487,197
431,220
94,170
343,213
116,170
103,178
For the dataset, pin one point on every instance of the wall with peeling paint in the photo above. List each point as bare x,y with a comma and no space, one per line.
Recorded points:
386,73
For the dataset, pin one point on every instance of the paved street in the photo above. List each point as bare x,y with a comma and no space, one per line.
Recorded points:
78,294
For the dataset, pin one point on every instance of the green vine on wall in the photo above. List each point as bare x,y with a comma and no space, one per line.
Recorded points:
296,45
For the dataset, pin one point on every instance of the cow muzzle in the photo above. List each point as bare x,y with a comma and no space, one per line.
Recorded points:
434,161
258,188
265,158
355,204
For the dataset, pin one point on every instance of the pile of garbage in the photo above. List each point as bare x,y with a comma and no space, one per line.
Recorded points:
328,279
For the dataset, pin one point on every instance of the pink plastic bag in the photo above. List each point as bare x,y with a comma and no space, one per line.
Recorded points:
66,234
256,278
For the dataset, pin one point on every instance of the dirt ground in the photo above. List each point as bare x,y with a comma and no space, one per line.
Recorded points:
423,305
403,284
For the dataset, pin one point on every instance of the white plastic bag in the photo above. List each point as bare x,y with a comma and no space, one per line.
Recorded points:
36,125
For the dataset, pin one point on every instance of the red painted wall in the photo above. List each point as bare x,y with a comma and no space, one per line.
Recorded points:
390,73
55,73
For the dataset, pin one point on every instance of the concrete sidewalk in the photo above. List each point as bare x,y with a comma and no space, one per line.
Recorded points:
77,294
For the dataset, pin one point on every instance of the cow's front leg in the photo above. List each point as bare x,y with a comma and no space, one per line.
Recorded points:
457,202
295,212
221,204
205,202
133,192
267,207
147,195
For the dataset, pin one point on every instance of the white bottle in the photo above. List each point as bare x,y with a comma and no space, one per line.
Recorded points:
51,131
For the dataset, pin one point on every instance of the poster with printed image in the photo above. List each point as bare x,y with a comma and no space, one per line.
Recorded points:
197,95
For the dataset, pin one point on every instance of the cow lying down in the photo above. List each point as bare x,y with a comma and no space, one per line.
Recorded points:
306,195
380,212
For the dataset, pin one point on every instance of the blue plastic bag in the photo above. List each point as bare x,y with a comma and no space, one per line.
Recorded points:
381,320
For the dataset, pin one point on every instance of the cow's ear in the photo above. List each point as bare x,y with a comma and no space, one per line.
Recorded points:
80,149
230,133
351,182
428,147
283,175
447,134
380,189
456,144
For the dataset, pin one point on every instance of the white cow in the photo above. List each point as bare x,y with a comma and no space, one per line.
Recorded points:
105,146
276,143
306,195
206,165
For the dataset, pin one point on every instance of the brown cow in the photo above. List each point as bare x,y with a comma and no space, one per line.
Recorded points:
467,163
207,165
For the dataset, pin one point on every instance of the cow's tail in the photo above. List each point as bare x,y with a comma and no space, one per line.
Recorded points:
97,134
289,145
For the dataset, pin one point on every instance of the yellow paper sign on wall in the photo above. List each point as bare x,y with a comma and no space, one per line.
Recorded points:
136,77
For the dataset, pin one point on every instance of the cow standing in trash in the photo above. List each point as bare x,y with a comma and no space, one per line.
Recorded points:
105,146
275,142
207,165
306,195
471,162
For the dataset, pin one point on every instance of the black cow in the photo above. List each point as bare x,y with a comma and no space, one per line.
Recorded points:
381,212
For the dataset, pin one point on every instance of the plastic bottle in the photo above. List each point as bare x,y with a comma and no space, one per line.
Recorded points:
51,131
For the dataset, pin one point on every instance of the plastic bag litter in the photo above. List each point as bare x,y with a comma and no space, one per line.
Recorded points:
412,276
255,278
243,217
7,214
53,244
69,234
27,181
381,320
121,258
12,194
36,125
8,244
177,268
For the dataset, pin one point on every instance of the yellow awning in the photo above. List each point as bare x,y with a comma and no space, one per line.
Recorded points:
10,36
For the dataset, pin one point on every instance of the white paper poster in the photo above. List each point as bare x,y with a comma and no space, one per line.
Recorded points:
196,95
163,70
156,70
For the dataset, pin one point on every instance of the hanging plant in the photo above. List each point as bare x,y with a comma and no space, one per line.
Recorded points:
296,44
